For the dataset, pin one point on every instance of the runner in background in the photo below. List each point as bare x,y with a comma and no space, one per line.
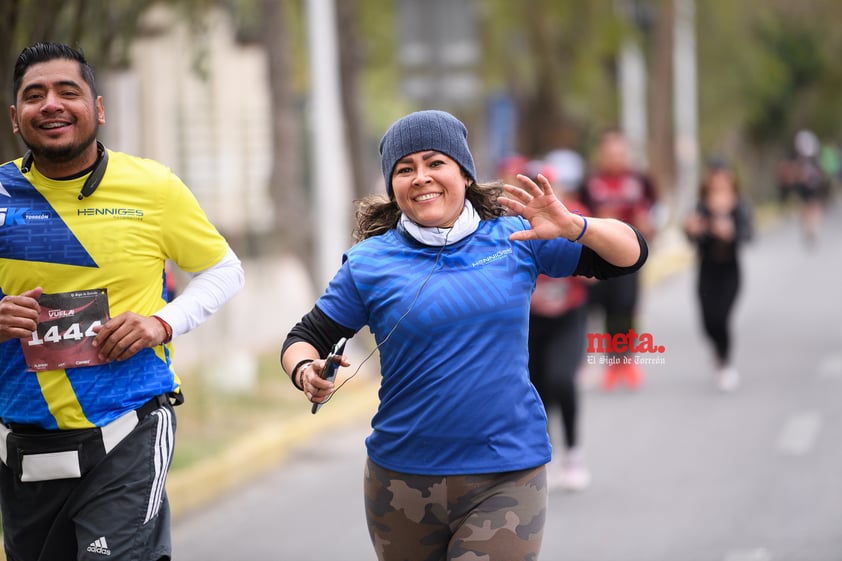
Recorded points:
614,189
720,223
803,176
810,183
830,162
558,318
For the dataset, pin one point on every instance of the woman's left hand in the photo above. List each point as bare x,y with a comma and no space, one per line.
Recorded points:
538,204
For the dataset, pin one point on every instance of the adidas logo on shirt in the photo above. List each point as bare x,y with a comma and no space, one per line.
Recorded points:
99,546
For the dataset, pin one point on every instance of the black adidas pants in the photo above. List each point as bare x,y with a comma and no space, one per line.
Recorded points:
116,509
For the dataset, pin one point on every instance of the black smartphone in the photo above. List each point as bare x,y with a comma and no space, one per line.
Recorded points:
331,366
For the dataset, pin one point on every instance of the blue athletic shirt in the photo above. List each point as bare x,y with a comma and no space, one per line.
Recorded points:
118,239
455,394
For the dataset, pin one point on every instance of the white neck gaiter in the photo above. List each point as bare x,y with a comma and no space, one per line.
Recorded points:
465,225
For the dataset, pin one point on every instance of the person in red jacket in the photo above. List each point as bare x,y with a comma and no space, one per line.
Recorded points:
614,189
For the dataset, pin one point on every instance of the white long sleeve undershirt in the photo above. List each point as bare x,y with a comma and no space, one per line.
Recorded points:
204,295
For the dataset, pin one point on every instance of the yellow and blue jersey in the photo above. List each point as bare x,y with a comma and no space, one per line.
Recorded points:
118,239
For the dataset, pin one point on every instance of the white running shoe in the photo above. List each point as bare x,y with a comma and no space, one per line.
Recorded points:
576,478
555,475
727,379
570,474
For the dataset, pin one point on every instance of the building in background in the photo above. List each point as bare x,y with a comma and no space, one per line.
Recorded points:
202,108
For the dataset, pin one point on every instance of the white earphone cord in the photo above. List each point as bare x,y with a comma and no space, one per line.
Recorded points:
397,323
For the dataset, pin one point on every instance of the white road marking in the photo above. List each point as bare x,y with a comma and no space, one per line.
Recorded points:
756,554
831,366
799,433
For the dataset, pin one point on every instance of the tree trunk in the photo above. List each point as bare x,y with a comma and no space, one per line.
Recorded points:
286,181
543,118
662,145
9,18
349,68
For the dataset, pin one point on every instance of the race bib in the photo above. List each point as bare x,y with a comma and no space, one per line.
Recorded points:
65,334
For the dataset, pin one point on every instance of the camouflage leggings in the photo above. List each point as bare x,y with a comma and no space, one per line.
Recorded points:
494,517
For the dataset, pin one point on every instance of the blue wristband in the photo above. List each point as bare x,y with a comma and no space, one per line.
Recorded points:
584,229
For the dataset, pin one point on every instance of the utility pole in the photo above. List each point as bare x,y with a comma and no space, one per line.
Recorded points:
685,107
329,162
633,108
633,75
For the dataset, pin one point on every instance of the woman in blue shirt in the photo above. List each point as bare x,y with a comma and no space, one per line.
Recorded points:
442,276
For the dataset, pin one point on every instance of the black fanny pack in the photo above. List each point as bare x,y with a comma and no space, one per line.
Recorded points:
36,454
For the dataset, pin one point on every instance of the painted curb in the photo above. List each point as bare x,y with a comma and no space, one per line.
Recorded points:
191,488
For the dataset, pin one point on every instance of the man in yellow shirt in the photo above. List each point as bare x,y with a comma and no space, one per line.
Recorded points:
86,384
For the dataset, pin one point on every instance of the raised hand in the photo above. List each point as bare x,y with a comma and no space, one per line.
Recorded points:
539,205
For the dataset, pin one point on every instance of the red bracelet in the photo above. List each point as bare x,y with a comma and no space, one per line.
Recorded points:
167,330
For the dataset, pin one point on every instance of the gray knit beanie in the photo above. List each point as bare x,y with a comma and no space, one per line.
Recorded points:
425,130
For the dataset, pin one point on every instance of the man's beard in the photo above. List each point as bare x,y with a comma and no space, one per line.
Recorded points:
60,154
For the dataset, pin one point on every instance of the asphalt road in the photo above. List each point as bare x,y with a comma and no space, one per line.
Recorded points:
680,470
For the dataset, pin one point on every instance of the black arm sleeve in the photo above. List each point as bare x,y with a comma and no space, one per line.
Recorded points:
318,330
592,265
